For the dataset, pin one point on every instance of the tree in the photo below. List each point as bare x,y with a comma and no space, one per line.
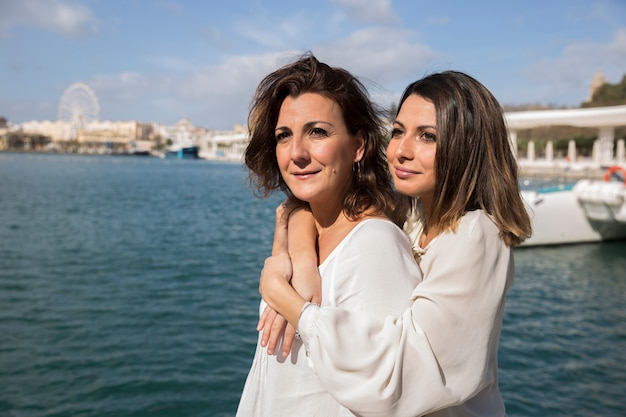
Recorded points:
609,95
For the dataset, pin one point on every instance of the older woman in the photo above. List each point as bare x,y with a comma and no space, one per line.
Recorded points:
315,135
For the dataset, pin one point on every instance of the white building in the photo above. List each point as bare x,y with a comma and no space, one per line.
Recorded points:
56,130
94,131
225,145
182,135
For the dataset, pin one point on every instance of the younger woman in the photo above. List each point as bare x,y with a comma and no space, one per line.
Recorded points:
449,152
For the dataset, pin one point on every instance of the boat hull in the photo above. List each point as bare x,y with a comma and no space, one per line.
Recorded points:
591,211
190,152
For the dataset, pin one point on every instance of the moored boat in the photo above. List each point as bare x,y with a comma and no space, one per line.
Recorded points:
187,152
587,211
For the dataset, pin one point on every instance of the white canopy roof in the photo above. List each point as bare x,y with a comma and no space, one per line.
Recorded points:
584,117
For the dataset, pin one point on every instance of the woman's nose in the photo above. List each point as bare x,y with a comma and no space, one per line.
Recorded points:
298,149
404,148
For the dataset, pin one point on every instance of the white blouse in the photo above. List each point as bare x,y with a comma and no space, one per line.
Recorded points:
372,270
439,357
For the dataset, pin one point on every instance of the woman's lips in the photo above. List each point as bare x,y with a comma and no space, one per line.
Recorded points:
404,172
304,174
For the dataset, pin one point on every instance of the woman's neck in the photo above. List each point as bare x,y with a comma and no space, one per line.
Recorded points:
333,225
429,231
330,232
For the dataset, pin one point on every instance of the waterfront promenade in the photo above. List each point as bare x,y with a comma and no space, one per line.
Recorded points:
565,170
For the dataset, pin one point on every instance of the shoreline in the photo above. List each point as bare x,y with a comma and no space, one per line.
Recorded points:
561,169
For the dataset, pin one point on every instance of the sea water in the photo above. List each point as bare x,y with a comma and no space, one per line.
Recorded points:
129,287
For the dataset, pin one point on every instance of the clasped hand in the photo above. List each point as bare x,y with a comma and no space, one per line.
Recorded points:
271,324
278,272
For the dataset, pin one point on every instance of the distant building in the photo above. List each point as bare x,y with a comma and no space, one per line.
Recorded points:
55,130
225,145
597,82
93,132
182,135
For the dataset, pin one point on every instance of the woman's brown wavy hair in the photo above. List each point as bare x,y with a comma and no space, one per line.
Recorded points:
371,189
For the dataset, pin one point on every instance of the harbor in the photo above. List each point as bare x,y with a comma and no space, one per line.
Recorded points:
132,238
571,197
130,288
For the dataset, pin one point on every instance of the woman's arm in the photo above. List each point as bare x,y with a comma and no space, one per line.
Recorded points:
299,239
277,292
441,352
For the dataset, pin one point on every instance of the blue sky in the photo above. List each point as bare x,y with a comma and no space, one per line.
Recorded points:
160,61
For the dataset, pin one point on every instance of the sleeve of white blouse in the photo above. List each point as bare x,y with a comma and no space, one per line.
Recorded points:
439,352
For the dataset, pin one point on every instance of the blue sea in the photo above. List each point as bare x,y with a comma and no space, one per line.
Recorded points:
129,287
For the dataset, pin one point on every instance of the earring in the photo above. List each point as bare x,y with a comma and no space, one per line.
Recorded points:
356,168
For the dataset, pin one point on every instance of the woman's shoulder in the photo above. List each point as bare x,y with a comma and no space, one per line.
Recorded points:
378,226
475,237
477,225
477,218
376,232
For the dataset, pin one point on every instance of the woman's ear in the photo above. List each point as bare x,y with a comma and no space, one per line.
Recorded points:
360,146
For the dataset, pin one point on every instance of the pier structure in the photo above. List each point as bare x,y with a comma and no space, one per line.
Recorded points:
605,153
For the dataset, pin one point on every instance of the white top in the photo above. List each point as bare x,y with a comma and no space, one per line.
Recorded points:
441,352
372,270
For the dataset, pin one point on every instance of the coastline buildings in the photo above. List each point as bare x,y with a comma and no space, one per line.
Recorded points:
95,137
124,137
133,137
78,130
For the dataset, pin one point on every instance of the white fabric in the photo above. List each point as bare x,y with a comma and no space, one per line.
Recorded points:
439,357
371,270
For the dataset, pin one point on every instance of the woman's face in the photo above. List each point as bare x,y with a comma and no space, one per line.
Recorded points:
314,150
411,150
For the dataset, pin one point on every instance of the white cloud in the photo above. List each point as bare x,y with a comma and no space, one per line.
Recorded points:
617,49
272,33
369,11
572,71
171,7
215,37
70,20
31,109
216,97
382,54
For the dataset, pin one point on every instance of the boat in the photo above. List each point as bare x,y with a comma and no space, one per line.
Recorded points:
586,211
186,152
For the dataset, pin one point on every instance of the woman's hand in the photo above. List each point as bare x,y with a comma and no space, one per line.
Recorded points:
276,290
271,324
297,227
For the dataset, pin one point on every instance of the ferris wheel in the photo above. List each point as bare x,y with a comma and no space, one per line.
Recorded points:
78,106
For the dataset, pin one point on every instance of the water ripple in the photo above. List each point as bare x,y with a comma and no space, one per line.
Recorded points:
129,287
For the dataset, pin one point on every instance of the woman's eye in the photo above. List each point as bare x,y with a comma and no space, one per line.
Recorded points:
427,137
396,133
281,136
318,131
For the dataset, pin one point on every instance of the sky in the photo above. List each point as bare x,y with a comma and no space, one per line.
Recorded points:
164,60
